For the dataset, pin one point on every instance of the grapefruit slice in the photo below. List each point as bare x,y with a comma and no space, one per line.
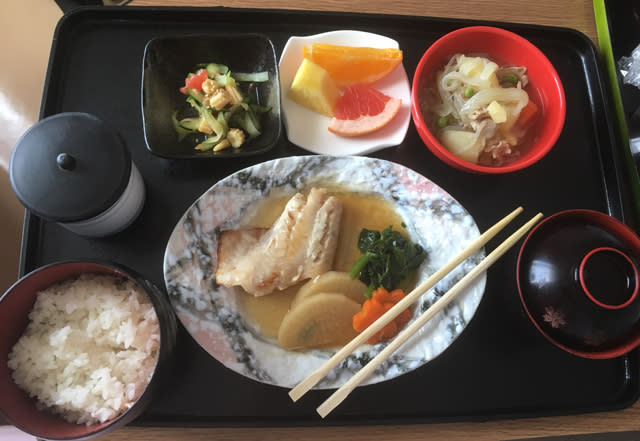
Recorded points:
349,64
361,110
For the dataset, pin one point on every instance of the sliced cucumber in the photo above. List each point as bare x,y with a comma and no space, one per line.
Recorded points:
209,118
256,77
190,123
249,126
214,68
196,95
181,131
209,143
224,80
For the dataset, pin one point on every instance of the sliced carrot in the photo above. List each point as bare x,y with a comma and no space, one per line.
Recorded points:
370,312
381,295
526,114
381,301
360,321
396,295
385,333
373,308
403,318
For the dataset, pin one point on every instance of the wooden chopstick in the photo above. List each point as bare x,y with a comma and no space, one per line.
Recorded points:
305,385
339,395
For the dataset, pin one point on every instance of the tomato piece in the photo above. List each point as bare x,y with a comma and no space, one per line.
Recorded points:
195,81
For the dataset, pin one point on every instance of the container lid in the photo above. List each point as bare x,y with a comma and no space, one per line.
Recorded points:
578,277
69,167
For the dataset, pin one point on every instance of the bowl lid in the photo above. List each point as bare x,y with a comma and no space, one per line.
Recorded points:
69,167
579,277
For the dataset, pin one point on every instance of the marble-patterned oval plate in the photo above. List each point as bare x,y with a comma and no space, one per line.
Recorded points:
308,129
212,314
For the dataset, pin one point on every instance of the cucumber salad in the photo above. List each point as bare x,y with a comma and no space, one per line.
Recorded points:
225,115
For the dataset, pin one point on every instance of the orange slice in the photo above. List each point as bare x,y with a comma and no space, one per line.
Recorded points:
348,65
361,110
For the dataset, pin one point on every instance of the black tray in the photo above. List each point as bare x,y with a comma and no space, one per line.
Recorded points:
499,367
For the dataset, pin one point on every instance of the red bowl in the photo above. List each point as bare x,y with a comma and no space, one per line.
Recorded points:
578,276
23,411
505,48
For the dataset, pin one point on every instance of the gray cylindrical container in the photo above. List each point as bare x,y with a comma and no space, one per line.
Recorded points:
73,169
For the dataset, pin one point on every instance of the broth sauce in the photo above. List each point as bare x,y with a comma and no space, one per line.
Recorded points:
360,210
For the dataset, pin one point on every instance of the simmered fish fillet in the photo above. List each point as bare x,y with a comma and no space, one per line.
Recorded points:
299,245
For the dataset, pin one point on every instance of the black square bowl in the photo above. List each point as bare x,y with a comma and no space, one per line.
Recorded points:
166,63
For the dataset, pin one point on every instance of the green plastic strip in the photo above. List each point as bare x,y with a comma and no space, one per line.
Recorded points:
606,54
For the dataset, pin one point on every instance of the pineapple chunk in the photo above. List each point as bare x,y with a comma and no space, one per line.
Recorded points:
460,143
497,113
313,88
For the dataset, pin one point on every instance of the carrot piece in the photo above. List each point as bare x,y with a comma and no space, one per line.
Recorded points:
371,311
358,321
526,114
403,318
374,309
385,333
375,338
381,301
396,295
381,295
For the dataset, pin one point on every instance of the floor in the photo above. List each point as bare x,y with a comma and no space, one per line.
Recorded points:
26,32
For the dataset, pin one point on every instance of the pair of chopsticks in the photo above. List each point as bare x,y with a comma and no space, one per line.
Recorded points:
339,395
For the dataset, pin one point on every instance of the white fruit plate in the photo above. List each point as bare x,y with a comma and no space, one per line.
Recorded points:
308,129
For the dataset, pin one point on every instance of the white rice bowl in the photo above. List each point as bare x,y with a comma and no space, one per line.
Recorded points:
90,348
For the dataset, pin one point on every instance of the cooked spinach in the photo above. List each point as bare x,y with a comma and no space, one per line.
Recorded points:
388,258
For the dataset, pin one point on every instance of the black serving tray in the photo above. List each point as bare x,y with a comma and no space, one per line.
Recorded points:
499,367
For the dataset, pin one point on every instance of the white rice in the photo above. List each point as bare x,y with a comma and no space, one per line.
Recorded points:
89,349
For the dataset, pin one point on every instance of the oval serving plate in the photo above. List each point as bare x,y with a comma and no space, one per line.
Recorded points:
308,129
212,314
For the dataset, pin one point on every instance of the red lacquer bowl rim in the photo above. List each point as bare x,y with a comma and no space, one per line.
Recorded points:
548,85
613,225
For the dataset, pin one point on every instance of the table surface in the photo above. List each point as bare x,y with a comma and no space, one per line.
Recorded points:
576,14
